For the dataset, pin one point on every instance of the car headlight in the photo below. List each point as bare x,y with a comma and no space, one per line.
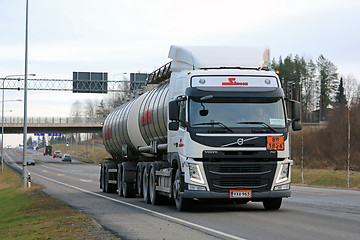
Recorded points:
283,174
195,174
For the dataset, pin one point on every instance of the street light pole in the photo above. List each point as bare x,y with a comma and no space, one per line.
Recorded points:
2,120
24,175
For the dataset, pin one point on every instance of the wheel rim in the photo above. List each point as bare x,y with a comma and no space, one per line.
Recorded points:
119,182
151,184
145,187
139,182
176,188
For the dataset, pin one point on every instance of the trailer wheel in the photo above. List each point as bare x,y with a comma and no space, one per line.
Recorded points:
109,188
182,204
272,203
102,180
145,185
155,198
128,188
139,179
119,180
106,180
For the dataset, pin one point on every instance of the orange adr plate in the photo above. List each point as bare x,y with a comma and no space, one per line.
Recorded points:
275,143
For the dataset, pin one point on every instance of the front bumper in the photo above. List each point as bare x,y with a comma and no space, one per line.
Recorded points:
222,195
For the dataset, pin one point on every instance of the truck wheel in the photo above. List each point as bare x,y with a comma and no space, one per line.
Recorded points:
139,180
272,203
102,178
182,204
155,198
106,180
109,188
119,180
128,188
145,186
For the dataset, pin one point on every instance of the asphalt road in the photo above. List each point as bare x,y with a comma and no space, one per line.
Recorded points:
311,213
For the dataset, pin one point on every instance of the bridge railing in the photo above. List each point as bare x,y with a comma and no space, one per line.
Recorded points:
53,120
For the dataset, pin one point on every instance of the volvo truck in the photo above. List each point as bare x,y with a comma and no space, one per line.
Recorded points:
212,124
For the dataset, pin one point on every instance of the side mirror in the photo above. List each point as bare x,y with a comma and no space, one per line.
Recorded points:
174,110
296,126
296,110
173,126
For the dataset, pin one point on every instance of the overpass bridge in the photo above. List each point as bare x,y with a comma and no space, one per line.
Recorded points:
53,125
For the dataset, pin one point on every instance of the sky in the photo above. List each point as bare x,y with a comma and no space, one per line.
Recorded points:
117,36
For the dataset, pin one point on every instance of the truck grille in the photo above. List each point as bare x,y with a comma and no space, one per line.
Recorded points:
223,177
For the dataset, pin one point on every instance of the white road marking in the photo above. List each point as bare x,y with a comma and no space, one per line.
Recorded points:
61,175
174,219
83,180
44,171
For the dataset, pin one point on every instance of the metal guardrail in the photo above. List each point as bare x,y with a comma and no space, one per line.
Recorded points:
13,167
53,120
68,85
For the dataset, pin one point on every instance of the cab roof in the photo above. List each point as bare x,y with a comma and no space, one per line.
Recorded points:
212,57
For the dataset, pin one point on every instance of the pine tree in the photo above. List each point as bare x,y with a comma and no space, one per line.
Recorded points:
328,84
340,95
29,142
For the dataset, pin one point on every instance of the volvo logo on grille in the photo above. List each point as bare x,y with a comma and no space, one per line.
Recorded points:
240,141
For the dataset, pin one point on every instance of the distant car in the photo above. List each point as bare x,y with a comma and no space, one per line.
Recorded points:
30,161
57,153
66,157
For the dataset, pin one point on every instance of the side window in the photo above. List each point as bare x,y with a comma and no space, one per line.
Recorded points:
182,113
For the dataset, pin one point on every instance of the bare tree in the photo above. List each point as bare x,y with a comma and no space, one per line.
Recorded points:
351,88
309,86
90,108
75,111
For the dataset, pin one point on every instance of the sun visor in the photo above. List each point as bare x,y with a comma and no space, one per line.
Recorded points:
260,92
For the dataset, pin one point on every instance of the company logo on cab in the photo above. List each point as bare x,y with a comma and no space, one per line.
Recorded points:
232,81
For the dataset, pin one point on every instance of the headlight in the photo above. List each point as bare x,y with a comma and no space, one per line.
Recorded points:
195,174
283,174
282,187
196,188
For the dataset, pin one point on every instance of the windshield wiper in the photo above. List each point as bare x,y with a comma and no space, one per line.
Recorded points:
215,123
262,123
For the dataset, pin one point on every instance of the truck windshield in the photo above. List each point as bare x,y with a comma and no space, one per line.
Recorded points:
237,112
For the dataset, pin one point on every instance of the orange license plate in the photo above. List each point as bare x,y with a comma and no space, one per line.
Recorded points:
275,143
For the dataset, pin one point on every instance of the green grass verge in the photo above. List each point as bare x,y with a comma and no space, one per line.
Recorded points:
322,178
31,214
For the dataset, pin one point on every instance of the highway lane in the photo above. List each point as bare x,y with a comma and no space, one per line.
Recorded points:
311,213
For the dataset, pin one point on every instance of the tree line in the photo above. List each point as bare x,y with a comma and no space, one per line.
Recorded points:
316,84
327,96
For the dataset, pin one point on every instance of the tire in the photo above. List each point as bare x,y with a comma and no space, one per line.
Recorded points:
139,182
102,178
155,197
182,204
119,180
106,182
272,203
128,188
109,188
145,186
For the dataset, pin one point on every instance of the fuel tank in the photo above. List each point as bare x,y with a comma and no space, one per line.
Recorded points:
137,123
